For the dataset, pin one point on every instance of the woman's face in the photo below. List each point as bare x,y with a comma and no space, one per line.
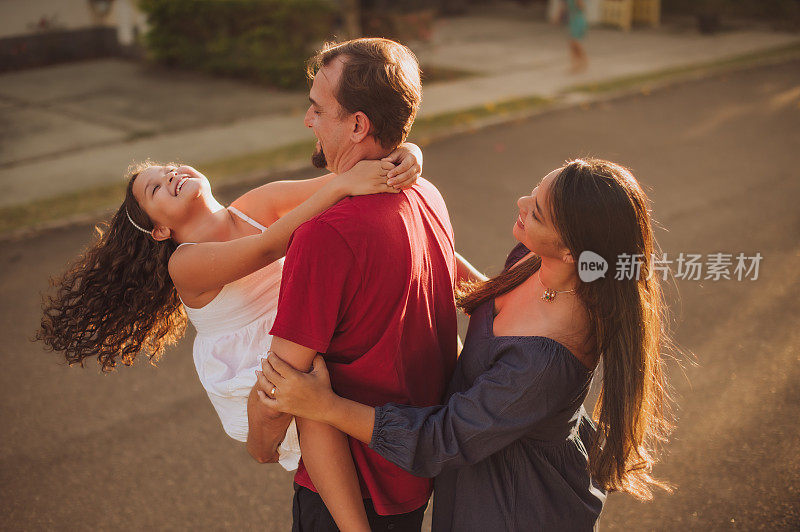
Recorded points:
534,226
168,193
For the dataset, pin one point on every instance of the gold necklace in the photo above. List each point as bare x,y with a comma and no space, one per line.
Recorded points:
549,294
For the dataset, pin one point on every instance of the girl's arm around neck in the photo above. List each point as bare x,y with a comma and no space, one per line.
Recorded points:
274,200
209,266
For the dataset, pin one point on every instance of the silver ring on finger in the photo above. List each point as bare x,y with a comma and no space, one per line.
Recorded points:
272,392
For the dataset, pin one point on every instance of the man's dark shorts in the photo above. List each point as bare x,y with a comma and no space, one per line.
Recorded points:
310,514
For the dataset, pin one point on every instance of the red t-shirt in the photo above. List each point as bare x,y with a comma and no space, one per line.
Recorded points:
369,283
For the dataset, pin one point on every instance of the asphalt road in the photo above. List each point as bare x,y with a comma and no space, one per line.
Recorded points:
141,448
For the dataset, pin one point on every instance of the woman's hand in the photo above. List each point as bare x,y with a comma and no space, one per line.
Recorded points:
307,395
366,177
408,160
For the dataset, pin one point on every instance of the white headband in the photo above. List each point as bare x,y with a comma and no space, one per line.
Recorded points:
137,226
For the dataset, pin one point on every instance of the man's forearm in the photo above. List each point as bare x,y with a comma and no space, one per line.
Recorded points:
266,430
466,271
267,427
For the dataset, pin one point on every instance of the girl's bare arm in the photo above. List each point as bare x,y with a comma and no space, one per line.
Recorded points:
273,200
209,266
327,457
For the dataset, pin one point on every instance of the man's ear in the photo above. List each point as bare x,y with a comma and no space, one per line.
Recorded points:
160,233
361,127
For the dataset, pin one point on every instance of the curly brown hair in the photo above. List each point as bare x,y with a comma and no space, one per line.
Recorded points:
117,299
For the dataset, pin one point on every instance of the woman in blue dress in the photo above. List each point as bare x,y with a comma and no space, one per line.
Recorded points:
511,447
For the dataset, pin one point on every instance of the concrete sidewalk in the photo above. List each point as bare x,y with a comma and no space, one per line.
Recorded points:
73,127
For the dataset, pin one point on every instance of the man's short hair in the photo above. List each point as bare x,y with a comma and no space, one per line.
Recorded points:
380,78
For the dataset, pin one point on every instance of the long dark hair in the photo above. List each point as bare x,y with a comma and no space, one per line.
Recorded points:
117,299
597,205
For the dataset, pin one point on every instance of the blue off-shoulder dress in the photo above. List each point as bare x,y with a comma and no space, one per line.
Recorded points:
508,449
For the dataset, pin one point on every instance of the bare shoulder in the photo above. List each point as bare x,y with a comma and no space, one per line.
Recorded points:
565,322
187,265
571,329
179,263
258,204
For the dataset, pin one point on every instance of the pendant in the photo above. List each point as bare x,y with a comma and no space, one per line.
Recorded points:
549,295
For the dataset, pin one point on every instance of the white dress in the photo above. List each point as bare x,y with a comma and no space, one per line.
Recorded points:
232,337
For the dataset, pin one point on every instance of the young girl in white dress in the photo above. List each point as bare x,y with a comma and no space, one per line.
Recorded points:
172,251
232,335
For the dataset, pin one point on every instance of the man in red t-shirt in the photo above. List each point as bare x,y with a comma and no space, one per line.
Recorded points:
368,283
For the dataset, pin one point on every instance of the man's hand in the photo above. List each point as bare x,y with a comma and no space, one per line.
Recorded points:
267,427
257,413
263,409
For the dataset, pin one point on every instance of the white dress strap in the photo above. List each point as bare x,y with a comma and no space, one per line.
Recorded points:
241,215
247,219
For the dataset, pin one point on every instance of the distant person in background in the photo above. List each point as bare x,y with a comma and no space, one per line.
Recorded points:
573,12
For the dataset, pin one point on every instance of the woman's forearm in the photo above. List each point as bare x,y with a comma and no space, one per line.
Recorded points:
211,265
350,417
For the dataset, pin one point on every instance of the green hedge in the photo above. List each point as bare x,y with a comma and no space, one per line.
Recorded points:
262,40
